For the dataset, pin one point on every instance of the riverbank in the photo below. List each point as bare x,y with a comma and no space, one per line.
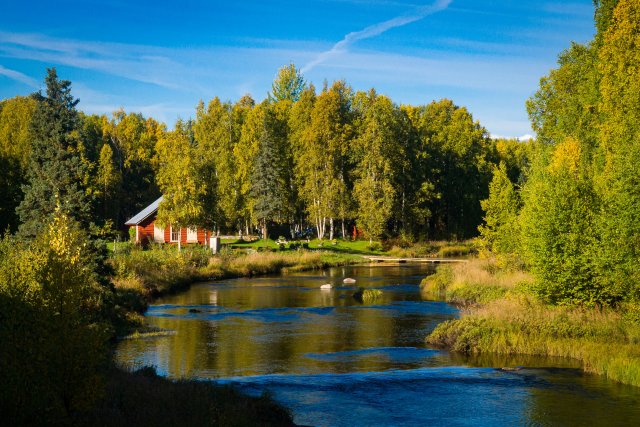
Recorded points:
143,398
141,276
500,315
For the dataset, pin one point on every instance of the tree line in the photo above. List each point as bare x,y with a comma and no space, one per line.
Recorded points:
333,161
575,219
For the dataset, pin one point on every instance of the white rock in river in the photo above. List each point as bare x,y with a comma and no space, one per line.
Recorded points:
349,280
326,286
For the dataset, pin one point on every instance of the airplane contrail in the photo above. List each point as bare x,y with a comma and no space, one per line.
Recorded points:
376,29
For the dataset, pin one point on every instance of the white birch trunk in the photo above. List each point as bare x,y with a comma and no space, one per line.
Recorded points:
331,228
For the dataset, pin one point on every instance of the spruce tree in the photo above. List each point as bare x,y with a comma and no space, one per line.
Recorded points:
56,172
269,185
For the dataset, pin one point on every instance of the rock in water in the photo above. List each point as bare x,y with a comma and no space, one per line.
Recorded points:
326,286
349,280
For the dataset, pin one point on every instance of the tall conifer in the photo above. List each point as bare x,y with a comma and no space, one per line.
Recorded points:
56,172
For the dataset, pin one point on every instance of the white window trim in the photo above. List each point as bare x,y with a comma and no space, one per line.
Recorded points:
171,239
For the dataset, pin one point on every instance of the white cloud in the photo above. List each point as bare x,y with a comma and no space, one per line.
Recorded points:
18,76
374,30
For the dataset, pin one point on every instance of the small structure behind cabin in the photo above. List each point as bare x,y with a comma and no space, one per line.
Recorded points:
148,231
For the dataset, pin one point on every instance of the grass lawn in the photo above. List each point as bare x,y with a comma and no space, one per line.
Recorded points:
360,247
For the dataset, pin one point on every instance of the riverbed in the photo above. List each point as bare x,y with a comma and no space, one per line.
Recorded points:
336,361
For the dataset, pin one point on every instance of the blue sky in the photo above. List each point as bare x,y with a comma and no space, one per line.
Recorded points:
160,58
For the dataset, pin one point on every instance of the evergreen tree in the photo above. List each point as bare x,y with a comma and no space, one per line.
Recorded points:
56,175
270,189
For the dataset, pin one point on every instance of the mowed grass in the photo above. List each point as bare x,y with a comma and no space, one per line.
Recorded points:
337,245
502,317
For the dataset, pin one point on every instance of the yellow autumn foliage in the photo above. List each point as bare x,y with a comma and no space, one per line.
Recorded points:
566,157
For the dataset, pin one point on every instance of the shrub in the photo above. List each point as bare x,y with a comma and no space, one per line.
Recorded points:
52,334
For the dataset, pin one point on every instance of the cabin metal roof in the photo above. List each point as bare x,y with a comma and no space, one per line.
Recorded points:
144,213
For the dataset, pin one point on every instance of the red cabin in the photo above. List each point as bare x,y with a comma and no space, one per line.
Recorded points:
148,231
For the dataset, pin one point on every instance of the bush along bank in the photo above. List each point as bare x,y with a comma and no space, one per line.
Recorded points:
502,316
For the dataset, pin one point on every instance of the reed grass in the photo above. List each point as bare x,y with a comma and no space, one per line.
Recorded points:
512,321
478,281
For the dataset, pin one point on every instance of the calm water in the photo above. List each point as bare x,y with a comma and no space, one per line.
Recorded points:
337,362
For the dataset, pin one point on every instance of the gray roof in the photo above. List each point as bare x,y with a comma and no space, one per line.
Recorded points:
144,213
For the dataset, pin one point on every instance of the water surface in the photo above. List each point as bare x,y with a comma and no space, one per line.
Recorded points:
336,361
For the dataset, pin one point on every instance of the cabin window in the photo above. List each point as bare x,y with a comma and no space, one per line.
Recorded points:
158,233
175,234
192,235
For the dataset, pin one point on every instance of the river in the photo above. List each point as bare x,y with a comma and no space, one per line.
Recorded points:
335,361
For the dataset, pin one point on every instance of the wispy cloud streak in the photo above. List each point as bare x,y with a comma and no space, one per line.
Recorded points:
375,30
18,76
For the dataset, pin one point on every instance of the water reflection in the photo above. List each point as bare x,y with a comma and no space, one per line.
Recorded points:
336,361
288,325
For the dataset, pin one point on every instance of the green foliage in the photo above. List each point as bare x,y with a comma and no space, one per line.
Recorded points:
133,140
457,167
52,329
108,183
321,154
181,179
377,152
288,85
56,174
619,222
366,296
558,229
217,134
602,340
330,160
15,149
271,178
565,106
500,232
580,218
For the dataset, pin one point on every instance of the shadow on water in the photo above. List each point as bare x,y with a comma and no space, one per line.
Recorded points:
336,361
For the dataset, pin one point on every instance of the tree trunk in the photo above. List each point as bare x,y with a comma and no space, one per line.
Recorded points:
264,229
331,228
344,235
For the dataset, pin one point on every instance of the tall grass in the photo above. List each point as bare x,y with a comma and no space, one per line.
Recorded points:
474,282
513,321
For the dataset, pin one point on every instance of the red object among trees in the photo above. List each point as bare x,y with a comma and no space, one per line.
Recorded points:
147,231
